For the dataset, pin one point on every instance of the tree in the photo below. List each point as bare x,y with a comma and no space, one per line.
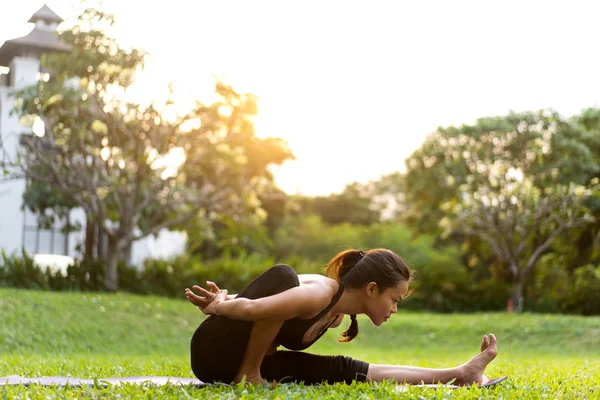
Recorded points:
246,160
388,196
507,182
518,220
588,241
352,205
358,204
110,156
47,203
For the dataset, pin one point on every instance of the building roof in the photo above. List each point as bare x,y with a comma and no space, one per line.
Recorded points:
45,14
37,41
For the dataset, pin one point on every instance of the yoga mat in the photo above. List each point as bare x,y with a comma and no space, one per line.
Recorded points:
156,380
71,381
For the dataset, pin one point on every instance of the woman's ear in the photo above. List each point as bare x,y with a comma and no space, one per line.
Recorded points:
372,289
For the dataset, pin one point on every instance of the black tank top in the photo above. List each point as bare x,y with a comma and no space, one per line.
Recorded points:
293,330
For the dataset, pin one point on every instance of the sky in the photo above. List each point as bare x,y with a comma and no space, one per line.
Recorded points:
354,87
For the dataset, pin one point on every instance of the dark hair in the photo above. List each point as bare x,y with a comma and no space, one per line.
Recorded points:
354,269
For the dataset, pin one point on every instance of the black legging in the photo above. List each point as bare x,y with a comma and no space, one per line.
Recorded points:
219,343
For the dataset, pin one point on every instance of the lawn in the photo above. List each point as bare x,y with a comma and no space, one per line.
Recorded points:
91,335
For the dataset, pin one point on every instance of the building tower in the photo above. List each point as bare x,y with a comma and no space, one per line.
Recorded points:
22,58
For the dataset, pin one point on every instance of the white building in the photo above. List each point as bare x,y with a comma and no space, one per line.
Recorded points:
19,68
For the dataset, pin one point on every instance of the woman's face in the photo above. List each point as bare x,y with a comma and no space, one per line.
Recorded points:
382,304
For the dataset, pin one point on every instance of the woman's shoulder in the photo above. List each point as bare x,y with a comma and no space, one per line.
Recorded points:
319,283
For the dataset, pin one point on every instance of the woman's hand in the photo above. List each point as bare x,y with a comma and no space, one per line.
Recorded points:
207,296
211,308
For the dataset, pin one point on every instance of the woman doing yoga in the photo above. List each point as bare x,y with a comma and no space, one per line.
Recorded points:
240,337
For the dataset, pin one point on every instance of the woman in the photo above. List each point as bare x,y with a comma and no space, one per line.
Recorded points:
240,337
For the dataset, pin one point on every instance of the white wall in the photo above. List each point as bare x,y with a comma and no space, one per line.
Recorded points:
76,238
11,217
166,245
23,73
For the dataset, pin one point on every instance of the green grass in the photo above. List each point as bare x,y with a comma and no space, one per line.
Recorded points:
94,335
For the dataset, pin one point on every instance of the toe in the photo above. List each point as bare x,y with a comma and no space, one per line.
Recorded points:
492,348
484,344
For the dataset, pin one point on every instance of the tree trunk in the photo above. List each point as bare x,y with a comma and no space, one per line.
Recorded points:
90,239
101,252
111,273
517,296
126,255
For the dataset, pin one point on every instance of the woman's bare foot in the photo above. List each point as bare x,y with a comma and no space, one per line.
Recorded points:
472,371
253,378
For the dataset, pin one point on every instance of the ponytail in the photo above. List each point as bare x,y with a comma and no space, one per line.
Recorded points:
338,269
342,263
351,332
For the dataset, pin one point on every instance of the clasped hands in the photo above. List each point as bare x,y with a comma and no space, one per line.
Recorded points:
209,299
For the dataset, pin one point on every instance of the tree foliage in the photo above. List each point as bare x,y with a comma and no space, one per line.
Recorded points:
111,157
515,182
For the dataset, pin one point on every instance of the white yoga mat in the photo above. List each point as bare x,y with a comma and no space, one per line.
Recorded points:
72,381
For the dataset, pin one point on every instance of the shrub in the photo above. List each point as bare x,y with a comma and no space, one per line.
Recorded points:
549,284
443,282
583,295
21,272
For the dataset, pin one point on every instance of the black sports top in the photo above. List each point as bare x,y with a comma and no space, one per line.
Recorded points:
293,330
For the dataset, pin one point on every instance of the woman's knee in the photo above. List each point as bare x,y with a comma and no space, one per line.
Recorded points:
285,274
276,279
282,276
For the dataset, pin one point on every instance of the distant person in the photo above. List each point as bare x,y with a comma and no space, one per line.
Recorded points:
281,308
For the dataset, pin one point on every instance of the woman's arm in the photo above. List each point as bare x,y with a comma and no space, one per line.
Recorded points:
304,300
262,335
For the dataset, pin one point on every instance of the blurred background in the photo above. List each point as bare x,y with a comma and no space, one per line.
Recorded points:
148,147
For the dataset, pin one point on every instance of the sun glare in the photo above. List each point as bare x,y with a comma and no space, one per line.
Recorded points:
367,87
169,163
38,127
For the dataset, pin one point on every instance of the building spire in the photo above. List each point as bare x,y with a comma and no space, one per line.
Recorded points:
47,15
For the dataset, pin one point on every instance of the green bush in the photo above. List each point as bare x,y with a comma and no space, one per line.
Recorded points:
157,277
308,237
170,277
85,275
442,281
21,272
584,293
548,286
